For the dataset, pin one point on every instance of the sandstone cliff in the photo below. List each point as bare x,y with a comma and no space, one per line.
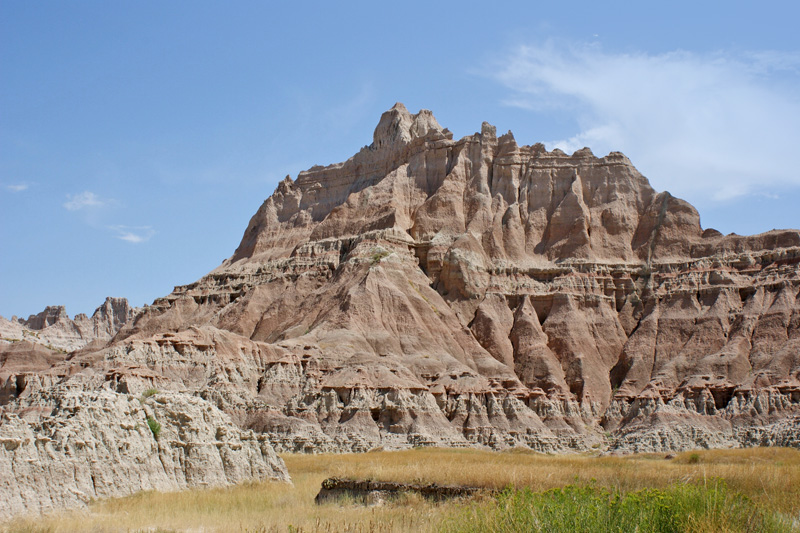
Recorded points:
432,291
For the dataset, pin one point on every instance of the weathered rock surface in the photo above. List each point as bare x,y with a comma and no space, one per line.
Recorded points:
99,444
432,291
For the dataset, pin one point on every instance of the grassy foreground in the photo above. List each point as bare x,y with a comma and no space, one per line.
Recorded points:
716,490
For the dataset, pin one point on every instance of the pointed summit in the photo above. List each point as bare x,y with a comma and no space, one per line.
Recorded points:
398,125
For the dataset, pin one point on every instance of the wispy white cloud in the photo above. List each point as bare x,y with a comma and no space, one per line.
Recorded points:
716,125
18,187
89,203
133,234
83,200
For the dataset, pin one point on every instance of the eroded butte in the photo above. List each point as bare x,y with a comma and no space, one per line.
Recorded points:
472,292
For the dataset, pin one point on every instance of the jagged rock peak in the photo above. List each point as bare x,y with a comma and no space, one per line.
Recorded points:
48,317
398,125
116,311
54,328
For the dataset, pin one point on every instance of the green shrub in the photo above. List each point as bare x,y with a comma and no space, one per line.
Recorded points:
154,426
678,508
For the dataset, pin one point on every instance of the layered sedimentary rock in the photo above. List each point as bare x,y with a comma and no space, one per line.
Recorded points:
70,432
101,444
30,346
54,329
432,291
476,291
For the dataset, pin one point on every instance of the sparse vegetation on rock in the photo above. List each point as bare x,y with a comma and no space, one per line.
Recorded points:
154,425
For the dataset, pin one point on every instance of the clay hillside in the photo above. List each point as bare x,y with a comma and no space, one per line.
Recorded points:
430,291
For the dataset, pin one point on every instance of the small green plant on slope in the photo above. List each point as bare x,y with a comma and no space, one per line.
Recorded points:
149,392
154,426
377,255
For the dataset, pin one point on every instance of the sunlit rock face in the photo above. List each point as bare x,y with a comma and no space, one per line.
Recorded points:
472,292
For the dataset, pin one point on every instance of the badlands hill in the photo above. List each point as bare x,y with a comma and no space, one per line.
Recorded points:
432,291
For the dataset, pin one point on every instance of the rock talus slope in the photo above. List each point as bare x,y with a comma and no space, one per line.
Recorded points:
432,291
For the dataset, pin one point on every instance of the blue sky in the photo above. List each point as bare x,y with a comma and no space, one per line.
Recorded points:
138,138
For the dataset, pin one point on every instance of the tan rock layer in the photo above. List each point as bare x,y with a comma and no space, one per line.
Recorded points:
54,329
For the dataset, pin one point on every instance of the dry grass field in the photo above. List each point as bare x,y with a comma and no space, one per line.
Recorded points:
768,477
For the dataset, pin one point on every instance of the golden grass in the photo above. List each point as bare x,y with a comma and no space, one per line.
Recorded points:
770,476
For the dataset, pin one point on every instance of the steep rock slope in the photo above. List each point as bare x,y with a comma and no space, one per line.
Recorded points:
68,437
475,292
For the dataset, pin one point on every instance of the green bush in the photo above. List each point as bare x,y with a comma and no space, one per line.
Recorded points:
154,426
678,508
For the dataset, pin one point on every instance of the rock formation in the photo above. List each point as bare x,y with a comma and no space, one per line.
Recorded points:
101,444
370,492
53,327
65,440
432,291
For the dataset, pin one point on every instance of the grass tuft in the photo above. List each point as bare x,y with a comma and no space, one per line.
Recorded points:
149,393
378,255
154,425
